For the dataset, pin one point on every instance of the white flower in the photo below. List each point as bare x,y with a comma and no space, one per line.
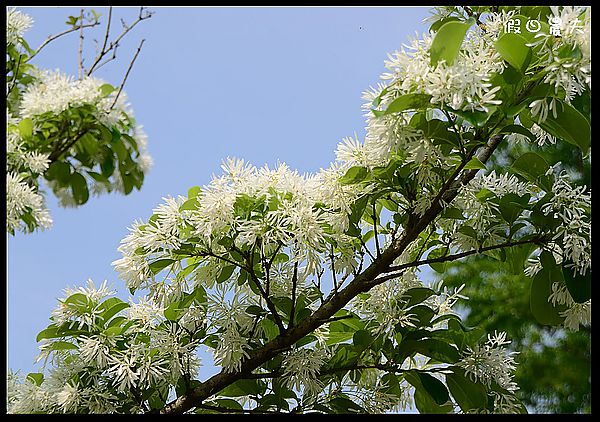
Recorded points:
301,368
17,23
124,372
21,199
68,398
94,351
576,314
571,204
491,362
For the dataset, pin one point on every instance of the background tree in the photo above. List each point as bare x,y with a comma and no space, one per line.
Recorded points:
554,372
306,287
77,135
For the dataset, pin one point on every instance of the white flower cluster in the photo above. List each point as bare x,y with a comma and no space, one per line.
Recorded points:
464,85
575,314
16,24
287,211
301,367
21,198
491,362
385,303
55,92
572,73
119,362
480,211
572,205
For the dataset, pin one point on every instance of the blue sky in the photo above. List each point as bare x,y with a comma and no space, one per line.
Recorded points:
265,84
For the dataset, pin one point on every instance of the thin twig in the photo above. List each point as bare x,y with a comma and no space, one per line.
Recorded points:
115,43
294,282
451,257
376,235
80,69
13,82
53,37
127,74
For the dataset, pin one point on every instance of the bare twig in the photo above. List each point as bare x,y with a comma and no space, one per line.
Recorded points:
112,46
447,258
80,69
127,73
53,37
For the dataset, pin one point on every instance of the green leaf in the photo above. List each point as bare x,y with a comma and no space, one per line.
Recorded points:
541,288
174,311
476,118
417,295
362,339
475,164
25,127
452,213
440,252
447,41
520,130
270,328
113,310
225,273
468,394
160,264
78,301
79,188
516,257
531,166
437,24
344,405
424,401
436,389
59,171
570,125
106,89
354,175
228,404
194,191
62,345
512,48
409,102
190,204
244,387
35,377
579,286
512,205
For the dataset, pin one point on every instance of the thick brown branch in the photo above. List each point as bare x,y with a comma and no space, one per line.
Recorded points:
361,283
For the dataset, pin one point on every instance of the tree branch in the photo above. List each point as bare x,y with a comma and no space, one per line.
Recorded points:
361,283
447,258
53,37
114,44
127,73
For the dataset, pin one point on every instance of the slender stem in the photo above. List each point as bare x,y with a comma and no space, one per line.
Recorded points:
53,37
294,282
114,44
127,73
452,257
80,69
375,234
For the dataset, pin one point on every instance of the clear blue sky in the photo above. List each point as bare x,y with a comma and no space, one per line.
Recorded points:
265,84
